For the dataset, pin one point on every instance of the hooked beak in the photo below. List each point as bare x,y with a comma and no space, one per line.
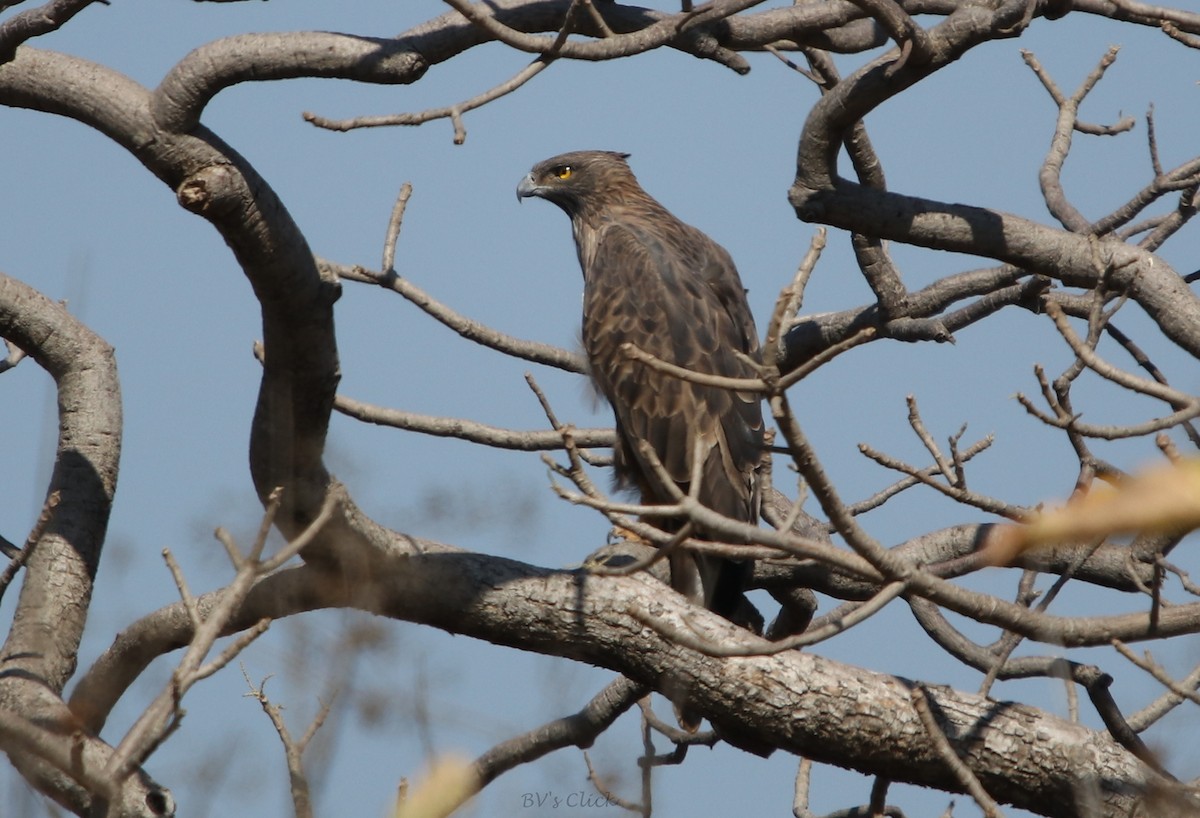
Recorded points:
527,187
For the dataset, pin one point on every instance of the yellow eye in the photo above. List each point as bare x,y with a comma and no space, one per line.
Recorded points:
563,171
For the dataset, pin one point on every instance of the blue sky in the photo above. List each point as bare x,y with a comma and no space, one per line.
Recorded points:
83,221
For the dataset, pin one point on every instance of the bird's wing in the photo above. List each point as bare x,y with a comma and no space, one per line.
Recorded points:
679,298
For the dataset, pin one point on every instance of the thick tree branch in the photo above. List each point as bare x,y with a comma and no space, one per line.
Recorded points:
604,621
40,652
215,182
1055,254
62,566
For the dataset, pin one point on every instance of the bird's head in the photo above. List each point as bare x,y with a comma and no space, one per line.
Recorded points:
571,180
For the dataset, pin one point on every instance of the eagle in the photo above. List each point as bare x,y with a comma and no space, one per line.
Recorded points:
652,281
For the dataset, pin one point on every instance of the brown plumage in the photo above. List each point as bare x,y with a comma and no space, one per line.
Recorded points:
667,288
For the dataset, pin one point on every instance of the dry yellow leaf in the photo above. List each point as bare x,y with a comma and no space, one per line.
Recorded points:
1162,498
446,787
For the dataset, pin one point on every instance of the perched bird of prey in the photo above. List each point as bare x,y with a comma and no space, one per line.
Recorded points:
665,287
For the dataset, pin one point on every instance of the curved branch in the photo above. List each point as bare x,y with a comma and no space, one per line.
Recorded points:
215,182
1050,176
35,22
48,623
40,652
277,596
178,102
848,102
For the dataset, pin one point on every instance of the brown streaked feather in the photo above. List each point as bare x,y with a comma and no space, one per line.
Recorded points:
639,290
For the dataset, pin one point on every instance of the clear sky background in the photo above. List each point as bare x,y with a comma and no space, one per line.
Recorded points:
82,221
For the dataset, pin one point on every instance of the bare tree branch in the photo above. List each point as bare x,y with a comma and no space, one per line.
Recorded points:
578,730
40,651
535,441
467,328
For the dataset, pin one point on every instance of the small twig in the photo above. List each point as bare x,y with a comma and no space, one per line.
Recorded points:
1164,704
912,40
393,228
636,353
455,112
887,564
185,593
1173,31
22,556
1143,360
1105,370
834,623
787,305
15,355
293,749
680,738
597,19
1160,13
1152,143
452,112
456,120
965,496
647,770
956,457
1156,670
471,330
296,545
668,29
801,787
469,430
259,543
1182,575
544,402
879,498
786,60
918,427
1050,175
608,794
1010,640
942,745
579,730
1121,126
825,356
164,713
231,651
